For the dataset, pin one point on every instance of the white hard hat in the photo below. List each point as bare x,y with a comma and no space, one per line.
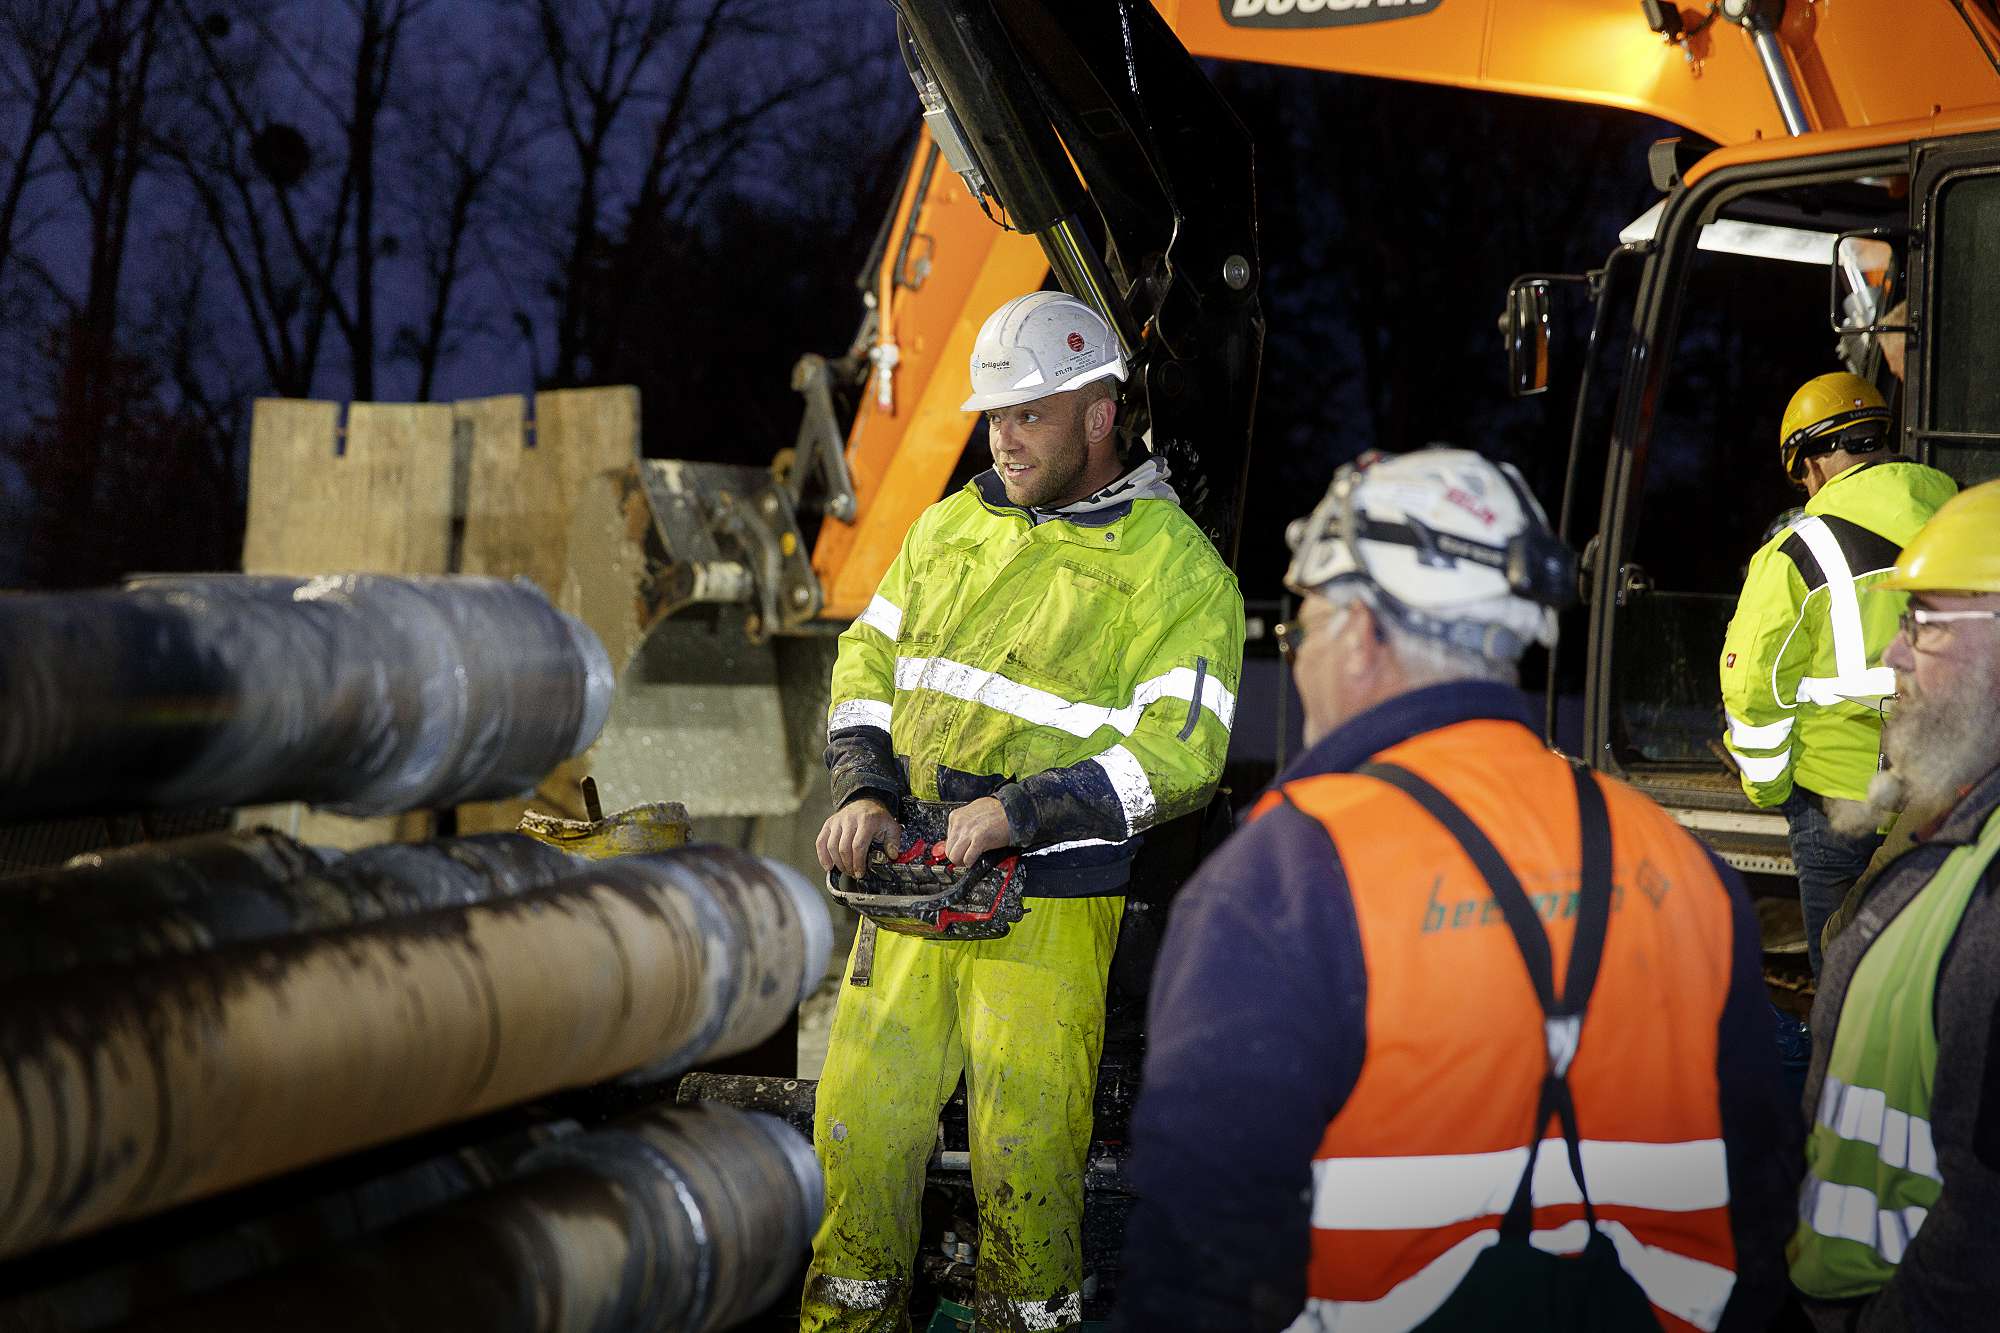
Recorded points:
1039,344
1452,546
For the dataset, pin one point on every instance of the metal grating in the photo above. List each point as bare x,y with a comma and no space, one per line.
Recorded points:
37,846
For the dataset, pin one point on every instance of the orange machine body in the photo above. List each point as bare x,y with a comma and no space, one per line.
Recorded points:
1868,72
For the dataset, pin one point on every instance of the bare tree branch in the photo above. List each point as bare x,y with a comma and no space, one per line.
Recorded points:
591,104
48,34
461,158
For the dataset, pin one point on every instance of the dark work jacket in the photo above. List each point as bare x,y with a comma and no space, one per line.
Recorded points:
1256,1036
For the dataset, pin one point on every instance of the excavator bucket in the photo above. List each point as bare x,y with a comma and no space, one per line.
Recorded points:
685,569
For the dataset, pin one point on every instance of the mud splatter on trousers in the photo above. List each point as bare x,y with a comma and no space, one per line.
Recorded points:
1023,1019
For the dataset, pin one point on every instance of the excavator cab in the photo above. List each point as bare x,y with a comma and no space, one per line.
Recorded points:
1758,269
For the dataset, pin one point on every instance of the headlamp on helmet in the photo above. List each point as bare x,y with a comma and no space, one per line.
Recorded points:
1444,542
1837,413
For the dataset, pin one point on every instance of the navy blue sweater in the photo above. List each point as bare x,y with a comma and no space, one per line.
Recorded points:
1257,1033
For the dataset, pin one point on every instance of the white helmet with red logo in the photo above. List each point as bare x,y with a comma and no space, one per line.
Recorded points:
1448,544
1039,344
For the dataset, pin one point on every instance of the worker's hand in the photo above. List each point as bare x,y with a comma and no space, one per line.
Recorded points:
975,829
845,839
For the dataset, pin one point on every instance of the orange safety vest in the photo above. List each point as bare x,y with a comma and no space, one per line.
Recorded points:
1418,1167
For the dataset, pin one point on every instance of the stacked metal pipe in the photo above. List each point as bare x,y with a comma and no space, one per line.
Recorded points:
196,894
182,1019
364,693
132,1088
667,1223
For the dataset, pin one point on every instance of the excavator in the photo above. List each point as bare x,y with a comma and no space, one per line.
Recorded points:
1839,162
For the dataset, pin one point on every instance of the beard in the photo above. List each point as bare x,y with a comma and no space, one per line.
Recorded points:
1052,483
1937,746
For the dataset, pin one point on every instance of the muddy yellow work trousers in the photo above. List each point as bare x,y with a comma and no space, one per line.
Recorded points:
1022,1017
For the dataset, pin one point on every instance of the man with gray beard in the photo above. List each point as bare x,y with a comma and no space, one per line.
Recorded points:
1902,1185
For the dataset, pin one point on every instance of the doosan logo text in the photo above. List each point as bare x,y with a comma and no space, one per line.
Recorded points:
1320,13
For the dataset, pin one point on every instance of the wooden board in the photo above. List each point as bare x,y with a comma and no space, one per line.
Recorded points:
293,445
521,492
521,496
381,505
399,456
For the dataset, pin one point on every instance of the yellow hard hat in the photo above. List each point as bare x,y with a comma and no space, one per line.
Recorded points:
1958,550
1830,412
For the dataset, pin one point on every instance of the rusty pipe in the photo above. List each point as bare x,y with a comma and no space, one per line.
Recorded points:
113,1279
364,693
129,1091
671,1222
195,894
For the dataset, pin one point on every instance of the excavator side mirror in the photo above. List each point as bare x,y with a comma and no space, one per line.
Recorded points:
1866,277
1867,305
1525,329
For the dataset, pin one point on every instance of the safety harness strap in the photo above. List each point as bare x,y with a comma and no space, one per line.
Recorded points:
1562,1017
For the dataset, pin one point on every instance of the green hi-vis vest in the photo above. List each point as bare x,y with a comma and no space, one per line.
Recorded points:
1872,1171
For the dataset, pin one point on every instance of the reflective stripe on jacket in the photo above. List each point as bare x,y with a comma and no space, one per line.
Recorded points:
1080,665
1802,675
1416,1169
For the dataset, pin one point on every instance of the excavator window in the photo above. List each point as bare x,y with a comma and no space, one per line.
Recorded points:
1752,327
1964,424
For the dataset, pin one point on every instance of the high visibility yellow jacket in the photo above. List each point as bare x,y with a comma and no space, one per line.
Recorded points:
1803,683
1080,664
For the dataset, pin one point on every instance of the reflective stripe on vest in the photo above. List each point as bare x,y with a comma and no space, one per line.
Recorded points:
1688,1289
1872,1169
1746,736
1122,769
1436,1190
1865,1116
1417,1169
1853,678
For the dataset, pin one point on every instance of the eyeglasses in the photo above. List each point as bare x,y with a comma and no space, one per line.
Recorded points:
1290,634
1915,618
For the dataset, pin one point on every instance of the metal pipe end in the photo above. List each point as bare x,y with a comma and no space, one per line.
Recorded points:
599,682
815,924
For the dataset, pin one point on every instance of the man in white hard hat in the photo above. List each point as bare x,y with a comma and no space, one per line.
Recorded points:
1454,1034
1055,652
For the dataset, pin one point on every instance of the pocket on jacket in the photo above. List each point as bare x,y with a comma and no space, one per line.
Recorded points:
937,588
1072,639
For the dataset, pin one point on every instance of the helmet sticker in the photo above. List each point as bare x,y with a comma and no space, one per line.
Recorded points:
1472,505
1075,340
